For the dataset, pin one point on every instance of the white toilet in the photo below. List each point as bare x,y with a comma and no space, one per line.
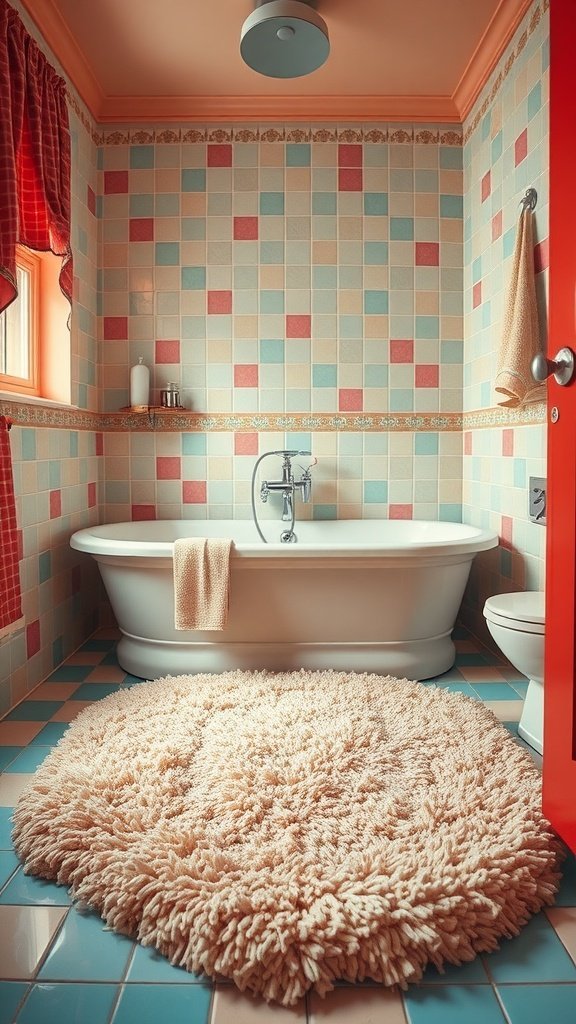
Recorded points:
516,621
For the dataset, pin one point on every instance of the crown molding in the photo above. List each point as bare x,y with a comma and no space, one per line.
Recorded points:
60,40
494,41
217,109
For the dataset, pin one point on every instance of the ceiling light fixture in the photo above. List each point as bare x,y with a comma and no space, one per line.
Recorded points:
284,39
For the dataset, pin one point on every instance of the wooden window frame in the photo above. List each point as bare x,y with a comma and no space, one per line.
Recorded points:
31,263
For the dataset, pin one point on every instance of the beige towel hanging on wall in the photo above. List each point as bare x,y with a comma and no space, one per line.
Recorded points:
520,340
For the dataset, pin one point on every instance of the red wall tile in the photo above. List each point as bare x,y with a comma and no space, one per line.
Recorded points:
194,492
349,155
350,400
496,225
142,229
427,375
219,155
486,185
115,328
55,504
115,182
349,179
90,200
167,352
245,444
476,294
168,467
245,228
246,375
401,350
427,254
542,255
32,638
99,444
468,443
298,325
521,147
143,512
219,301
400,512
91,495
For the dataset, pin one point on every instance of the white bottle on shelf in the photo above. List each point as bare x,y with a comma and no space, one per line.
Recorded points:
139,384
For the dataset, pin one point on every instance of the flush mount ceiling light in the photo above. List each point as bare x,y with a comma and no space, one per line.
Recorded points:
284,39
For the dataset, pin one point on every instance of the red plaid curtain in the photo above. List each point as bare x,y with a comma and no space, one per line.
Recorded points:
10,596
34,156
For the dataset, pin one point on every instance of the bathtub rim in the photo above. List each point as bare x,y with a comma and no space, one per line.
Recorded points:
472,540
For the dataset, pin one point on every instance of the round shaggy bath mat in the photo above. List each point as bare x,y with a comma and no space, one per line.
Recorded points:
286,830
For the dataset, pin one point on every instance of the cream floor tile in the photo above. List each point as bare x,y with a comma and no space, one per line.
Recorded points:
25,933
11,785
19,734
506,710
230,1006
357,1006
69,711
85,658
54,691
563,920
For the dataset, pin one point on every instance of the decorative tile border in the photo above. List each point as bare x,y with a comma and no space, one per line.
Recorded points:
535,19
25,415
408,134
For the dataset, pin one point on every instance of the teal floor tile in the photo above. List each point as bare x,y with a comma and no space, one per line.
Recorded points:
465,974
68,1004
512,727
8,864
50,734
70,673
5,828
29,760
567,894
84,951
11,995
473,658
536,1004
130,680
7,755
27,890
94,691
148,965
34,711
452,1004
536,954
110,658
149,1004
98,645
495,691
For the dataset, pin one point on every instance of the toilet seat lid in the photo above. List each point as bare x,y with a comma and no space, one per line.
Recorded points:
527,609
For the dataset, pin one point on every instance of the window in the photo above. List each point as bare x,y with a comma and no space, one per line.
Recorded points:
19,364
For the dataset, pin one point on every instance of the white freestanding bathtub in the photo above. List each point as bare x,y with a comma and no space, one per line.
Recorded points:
354,595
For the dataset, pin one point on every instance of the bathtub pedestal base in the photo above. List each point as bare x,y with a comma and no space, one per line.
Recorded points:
412,659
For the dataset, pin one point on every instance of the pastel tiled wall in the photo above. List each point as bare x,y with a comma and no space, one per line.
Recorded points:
57,472
276,270
505,152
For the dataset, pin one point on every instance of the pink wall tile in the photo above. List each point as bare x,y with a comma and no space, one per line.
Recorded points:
167,352
476,294
219,301
507,442
350,400
219,155
506,531
194,492
401,350
349,155
246,444
426,375
349,179
298,325
32,638
99,444
91,200
55,504
468,442
496,225
245,228
400,511
142,229
115,182
486,185
427,254
91,495
168,467
246,375
143,512
115,328
521,147
542,255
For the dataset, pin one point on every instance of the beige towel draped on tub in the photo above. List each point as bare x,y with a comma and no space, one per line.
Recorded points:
520,329
201,580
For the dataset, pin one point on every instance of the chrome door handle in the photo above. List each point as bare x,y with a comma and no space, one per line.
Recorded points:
562,366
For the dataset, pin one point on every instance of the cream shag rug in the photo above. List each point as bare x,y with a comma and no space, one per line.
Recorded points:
287,830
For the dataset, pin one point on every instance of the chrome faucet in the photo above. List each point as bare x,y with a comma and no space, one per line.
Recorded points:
288,486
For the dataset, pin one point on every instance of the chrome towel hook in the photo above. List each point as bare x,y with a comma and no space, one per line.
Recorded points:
529,199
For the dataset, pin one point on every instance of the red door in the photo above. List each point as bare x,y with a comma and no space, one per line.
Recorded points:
560,667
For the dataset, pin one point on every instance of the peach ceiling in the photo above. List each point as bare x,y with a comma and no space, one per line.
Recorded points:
136,60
